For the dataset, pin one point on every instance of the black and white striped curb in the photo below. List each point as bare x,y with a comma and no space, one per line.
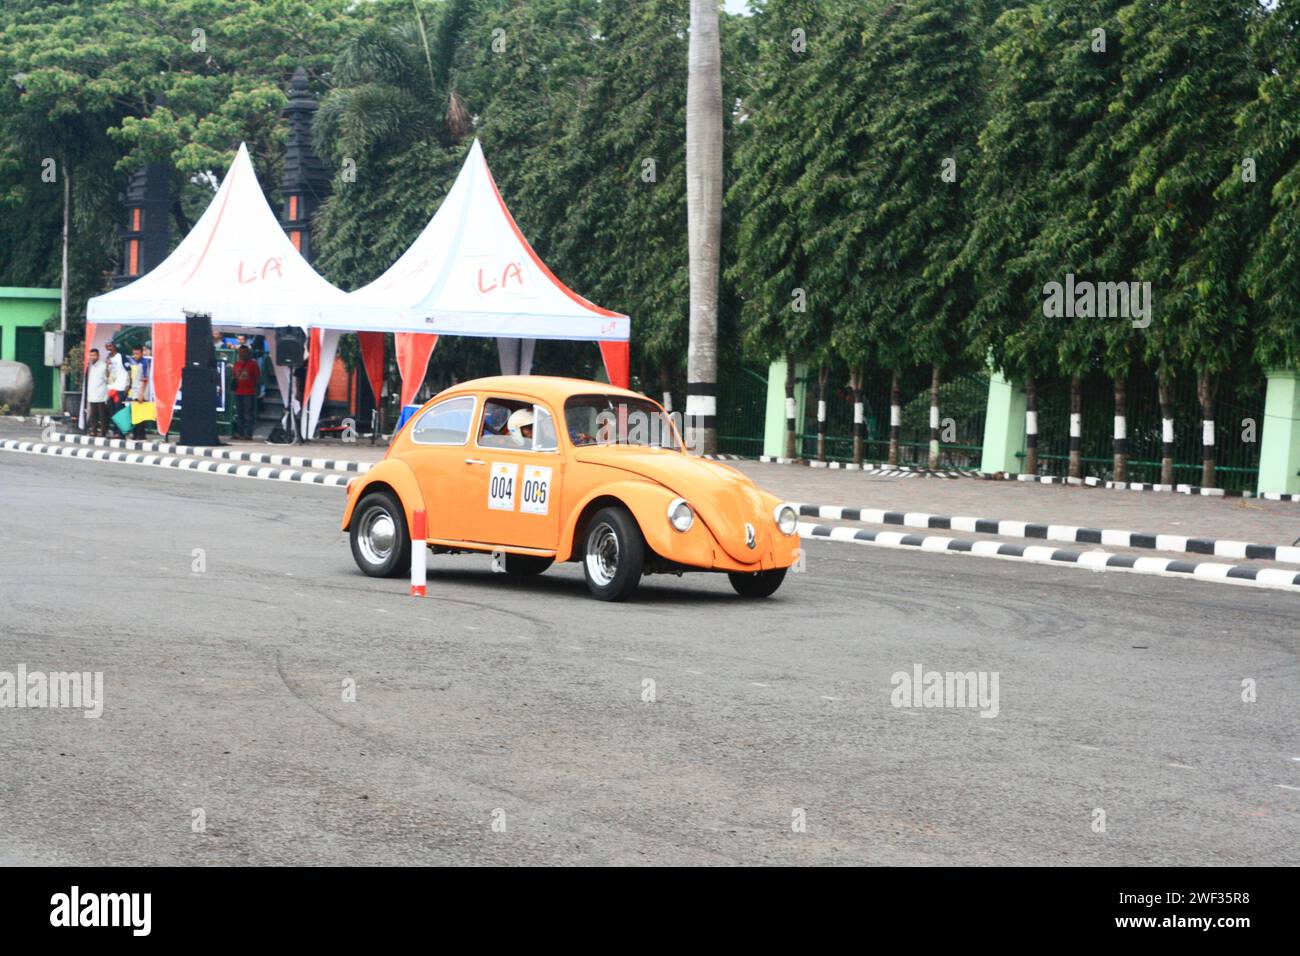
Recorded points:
899,471
226,454
883,471
1055,532
229,469
34,419
1183,489
1198,490
1111,485
724,457
1041,554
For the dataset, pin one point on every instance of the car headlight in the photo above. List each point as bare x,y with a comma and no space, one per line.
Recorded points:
787,519
680,514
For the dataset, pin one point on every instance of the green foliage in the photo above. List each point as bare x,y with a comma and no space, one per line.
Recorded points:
772,267
1270,135
1027,137
106,86
842,189
1186,74
922,119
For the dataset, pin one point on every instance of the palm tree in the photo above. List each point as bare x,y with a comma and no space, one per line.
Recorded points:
385,80
703,220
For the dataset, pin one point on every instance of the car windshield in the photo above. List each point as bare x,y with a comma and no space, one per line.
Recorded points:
618,420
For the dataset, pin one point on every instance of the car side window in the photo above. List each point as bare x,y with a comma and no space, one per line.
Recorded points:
516,425
493,431
544,437
446,423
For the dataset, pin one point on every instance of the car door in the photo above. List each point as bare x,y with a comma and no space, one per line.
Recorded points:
439,448
513,492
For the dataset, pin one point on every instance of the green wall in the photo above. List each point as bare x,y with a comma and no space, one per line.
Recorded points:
29,308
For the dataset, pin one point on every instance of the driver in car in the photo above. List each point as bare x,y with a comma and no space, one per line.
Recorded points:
520,426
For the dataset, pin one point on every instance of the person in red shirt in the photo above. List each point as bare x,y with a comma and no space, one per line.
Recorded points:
246,377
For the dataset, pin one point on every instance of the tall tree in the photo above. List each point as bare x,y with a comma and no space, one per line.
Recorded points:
1023,145
904,219
785,312
1187,73
1077,240
1269,171
704,220
392,155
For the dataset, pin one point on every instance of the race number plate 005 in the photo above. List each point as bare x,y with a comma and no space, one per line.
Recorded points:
535,493
501,486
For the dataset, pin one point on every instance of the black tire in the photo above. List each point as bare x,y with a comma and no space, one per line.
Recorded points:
613,554
368,532
525,565
759,584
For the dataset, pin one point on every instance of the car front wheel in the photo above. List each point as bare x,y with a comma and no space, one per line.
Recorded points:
380,545
759,584
613,554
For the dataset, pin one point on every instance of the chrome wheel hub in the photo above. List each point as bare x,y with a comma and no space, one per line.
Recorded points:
378,535
602,554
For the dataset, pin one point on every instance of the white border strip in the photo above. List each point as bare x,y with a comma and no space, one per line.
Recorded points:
1069,534
1271,578
227,469
229,454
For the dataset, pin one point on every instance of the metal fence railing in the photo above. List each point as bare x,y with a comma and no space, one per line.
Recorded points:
962,407
1236,418
742,412
1239,417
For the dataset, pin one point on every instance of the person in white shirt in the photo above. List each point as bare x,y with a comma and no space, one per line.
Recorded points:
119,380
139,392
96,395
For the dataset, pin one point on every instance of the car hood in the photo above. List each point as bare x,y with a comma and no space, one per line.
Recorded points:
723,498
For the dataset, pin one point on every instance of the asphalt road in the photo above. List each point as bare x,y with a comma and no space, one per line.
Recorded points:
498,702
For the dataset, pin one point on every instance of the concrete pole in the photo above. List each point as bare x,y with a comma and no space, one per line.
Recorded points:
1005,426
1279,454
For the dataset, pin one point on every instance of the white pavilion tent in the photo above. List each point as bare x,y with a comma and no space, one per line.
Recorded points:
236,265
471,272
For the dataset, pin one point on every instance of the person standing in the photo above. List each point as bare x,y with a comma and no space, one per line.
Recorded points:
119,380
139,391
246,377
96,395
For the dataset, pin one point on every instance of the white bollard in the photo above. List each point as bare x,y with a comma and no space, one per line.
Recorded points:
419,559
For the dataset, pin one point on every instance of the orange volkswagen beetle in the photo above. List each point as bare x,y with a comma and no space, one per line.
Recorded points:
555,469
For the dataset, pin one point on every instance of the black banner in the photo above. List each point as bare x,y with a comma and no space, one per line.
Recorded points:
215,905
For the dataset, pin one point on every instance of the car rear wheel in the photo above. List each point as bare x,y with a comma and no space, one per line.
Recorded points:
524,565
613,554
759,584
380,544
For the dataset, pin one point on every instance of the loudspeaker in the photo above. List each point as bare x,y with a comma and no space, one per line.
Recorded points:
199,384
199,406
198,341
290,347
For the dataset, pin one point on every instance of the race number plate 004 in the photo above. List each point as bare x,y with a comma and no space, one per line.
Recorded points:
501,486
535,493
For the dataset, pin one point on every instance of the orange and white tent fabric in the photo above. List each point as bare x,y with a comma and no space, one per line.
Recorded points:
236,265
472,272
